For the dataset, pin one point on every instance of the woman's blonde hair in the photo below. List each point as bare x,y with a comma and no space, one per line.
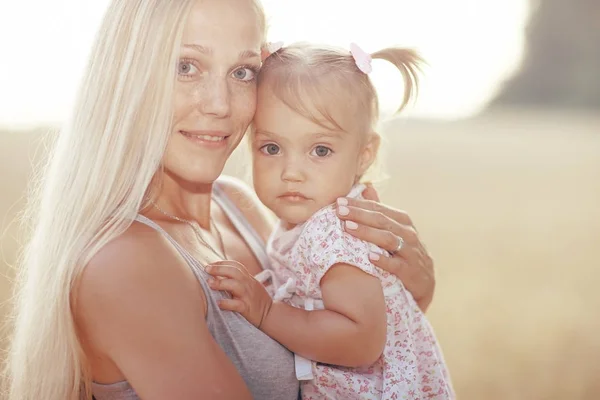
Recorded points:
324,84
95,183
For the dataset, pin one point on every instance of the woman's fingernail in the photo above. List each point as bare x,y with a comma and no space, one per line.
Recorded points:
373,256
342,210
351,225
342,201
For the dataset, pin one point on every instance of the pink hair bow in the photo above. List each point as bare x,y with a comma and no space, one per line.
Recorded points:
361,58
274,46
270,48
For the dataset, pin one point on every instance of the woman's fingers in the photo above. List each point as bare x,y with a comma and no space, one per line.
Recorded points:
370,193
395,266
387,239
415,275
374,213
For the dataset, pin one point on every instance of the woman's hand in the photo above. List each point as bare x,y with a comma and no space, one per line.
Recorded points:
390,229
249,296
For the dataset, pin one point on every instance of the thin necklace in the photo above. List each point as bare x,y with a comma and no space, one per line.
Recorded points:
195,226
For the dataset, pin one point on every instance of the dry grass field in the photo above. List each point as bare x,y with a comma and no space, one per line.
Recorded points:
509,206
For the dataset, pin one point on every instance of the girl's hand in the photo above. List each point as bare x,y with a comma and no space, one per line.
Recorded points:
386,227
249,297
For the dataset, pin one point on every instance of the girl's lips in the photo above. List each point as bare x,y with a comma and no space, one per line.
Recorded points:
294,197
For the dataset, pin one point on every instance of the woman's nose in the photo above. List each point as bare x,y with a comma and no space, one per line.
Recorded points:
216,99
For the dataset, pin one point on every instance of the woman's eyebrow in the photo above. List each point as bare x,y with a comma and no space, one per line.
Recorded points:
208,51
198,48
249,54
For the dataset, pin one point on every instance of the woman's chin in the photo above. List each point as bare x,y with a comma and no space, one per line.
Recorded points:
196,176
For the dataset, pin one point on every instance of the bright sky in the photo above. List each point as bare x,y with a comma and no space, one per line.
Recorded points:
471,46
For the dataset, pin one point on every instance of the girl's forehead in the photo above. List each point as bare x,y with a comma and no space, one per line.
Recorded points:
325,107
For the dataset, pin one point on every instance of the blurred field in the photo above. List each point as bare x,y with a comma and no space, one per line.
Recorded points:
509,206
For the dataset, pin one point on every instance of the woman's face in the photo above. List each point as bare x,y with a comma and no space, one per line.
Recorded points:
215,93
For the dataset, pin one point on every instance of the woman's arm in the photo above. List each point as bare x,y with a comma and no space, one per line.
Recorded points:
376,223
140,307
382,225
350,332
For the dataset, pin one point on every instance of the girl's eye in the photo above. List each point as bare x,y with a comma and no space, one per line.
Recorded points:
321,151
245,74
186,68
270,149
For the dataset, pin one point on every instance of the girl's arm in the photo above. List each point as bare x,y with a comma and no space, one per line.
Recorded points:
350,332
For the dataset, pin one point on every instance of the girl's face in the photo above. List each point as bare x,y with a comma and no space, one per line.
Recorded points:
215,93
299,166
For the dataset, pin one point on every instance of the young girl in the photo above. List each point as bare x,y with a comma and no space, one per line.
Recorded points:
313,140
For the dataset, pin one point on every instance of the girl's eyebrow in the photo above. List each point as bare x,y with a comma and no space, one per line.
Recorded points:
316,135
265,133
332,134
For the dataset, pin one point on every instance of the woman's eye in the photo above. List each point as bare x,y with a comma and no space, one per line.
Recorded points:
245,74
270,149
321,151
186,68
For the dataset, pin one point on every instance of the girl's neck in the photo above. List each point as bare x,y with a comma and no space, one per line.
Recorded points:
287,225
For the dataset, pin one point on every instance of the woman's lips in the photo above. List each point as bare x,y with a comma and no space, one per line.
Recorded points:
208,138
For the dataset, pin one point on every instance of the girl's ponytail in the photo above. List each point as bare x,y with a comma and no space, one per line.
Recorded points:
409,64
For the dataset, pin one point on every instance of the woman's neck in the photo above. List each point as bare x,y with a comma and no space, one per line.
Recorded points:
183,201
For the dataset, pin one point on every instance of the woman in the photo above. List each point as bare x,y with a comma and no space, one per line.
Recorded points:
112,289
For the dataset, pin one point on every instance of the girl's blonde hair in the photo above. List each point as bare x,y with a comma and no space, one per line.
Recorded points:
95,183
324,84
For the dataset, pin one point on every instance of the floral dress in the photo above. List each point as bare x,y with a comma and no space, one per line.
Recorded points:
411,366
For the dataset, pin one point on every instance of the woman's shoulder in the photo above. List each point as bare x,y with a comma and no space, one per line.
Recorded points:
136,270
249,205
140,306
138,249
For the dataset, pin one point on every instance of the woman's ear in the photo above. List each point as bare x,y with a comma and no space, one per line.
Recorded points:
368,152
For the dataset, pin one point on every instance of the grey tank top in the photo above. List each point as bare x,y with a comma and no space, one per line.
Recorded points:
265,365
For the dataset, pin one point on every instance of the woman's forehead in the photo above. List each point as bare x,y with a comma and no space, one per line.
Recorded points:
224,26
